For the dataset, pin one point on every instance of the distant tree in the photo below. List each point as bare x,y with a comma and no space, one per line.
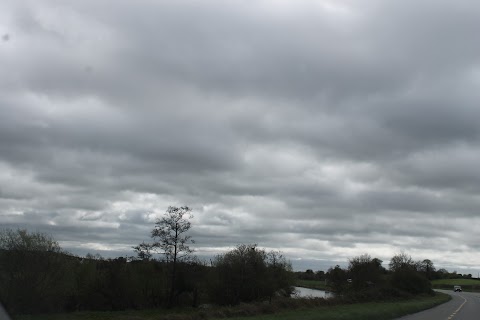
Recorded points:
442,273
279,273
365,271
144,251
407,275
248,273
428,268
320,275
309,275
22,240
34,273
96,256
337,279
170,239
378,263
402,261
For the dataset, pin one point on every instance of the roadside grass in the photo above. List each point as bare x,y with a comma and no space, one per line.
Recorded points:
145,314
359,311
311,284
308,309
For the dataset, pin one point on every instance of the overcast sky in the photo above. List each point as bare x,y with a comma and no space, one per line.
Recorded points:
324,129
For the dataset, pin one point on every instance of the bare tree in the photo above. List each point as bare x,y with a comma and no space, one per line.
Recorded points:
170,239
402,261
428,268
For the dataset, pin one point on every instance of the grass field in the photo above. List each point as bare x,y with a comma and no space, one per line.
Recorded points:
457,282
312,284
359,311
467,284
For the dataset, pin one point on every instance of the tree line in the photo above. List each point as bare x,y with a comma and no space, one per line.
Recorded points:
38,276
365,278
366,275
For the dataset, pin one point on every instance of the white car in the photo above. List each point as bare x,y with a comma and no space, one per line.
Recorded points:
457,288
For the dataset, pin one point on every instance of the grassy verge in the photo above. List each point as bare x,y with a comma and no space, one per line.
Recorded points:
146,314
359,311
311,284
308,309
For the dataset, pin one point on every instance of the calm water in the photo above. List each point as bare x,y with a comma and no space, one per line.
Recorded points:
311,293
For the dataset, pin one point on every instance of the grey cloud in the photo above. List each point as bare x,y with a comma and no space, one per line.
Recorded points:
321,128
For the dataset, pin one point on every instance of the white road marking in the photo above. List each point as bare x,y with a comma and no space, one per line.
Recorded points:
461,306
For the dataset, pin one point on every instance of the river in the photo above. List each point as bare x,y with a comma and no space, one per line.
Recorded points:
301,292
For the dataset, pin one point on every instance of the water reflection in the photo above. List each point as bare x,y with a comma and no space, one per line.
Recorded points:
301,292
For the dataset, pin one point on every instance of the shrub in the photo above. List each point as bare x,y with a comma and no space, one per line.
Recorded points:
410,281
248,273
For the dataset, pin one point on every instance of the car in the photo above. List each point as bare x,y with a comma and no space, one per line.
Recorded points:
457,288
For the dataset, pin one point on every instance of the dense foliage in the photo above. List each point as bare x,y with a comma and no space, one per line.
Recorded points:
36,276
366,279
248,273
34,273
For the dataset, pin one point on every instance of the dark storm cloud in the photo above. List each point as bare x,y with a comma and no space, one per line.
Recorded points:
326,129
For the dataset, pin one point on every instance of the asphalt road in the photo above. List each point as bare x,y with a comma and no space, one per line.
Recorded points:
463,306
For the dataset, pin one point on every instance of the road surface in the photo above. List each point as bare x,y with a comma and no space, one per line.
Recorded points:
463,306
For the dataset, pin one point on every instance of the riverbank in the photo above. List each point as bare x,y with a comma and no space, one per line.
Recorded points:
304,309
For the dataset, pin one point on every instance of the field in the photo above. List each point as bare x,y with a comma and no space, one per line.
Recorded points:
467,284
358,311
457,282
